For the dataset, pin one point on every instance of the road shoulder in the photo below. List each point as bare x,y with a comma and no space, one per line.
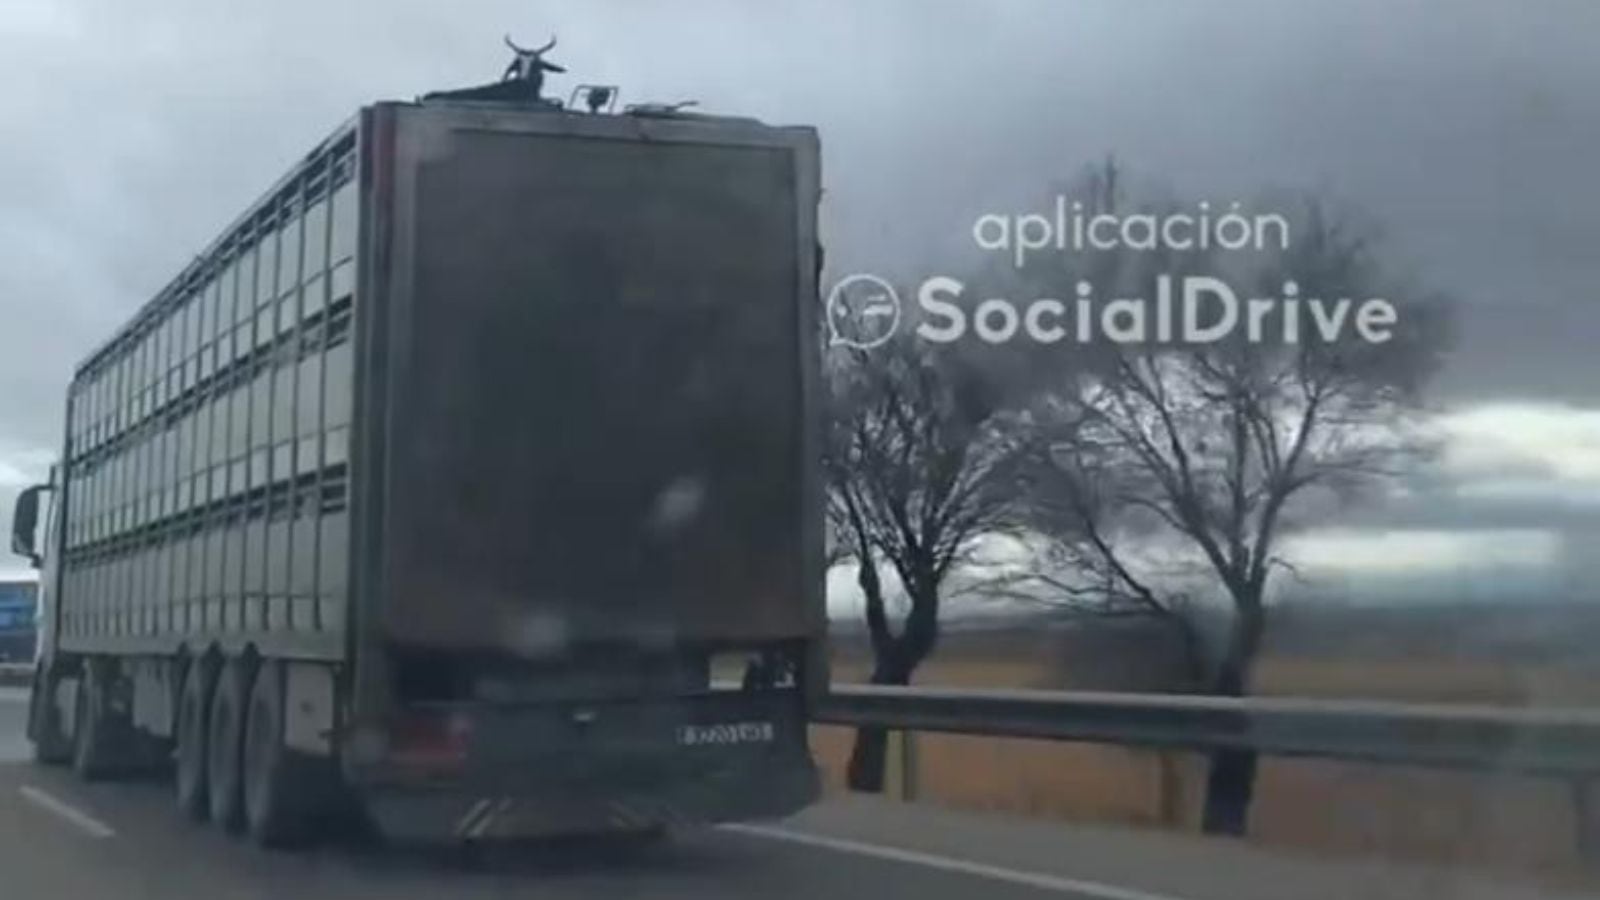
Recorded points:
1191,867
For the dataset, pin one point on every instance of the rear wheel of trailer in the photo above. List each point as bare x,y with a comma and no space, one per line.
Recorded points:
288,795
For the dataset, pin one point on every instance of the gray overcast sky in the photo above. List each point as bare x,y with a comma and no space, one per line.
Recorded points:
134,132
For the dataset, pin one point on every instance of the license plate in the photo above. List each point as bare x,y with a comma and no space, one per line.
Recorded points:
726,734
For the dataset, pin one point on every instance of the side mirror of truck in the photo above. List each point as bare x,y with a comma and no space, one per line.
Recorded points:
25,524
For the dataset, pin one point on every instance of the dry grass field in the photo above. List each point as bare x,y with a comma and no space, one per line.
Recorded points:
1499,821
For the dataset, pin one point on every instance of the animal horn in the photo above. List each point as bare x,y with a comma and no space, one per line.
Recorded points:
513,45
547,47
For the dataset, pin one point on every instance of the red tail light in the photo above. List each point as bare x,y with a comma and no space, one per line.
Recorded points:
429,740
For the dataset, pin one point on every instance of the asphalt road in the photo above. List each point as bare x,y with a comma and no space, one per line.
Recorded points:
63,839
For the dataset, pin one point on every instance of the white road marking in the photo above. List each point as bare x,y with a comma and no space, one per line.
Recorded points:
86,823
1099,890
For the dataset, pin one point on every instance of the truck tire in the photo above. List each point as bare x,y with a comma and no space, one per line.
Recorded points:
193,727
225,744
93,732
281,797
50,744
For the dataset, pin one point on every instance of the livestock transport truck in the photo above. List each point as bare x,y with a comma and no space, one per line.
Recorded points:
468,480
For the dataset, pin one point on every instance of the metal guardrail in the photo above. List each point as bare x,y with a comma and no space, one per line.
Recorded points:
1551,741
1561,742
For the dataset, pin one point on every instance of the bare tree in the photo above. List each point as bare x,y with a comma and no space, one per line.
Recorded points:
921,462
1214,445
1071,529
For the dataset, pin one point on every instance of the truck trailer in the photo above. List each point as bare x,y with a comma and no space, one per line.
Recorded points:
468,481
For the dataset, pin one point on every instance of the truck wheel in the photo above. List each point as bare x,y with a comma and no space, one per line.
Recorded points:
280,798
50,743
92,732
224,740
193,727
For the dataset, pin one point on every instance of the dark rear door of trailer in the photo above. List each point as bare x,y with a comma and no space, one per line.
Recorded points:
598,370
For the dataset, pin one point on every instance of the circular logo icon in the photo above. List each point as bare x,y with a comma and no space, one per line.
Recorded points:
863,312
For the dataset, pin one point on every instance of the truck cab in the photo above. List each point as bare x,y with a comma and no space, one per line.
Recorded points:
35,532
34,527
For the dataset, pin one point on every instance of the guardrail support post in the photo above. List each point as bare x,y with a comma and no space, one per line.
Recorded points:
908,766
1586,816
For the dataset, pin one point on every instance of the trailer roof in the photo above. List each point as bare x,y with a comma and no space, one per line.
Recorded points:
215,255
644,123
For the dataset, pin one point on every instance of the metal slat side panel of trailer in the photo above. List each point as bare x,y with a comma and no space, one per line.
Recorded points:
206,467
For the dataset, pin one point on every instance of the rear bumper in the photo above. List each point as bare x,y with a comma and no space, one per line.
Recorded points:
571,768
460,813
